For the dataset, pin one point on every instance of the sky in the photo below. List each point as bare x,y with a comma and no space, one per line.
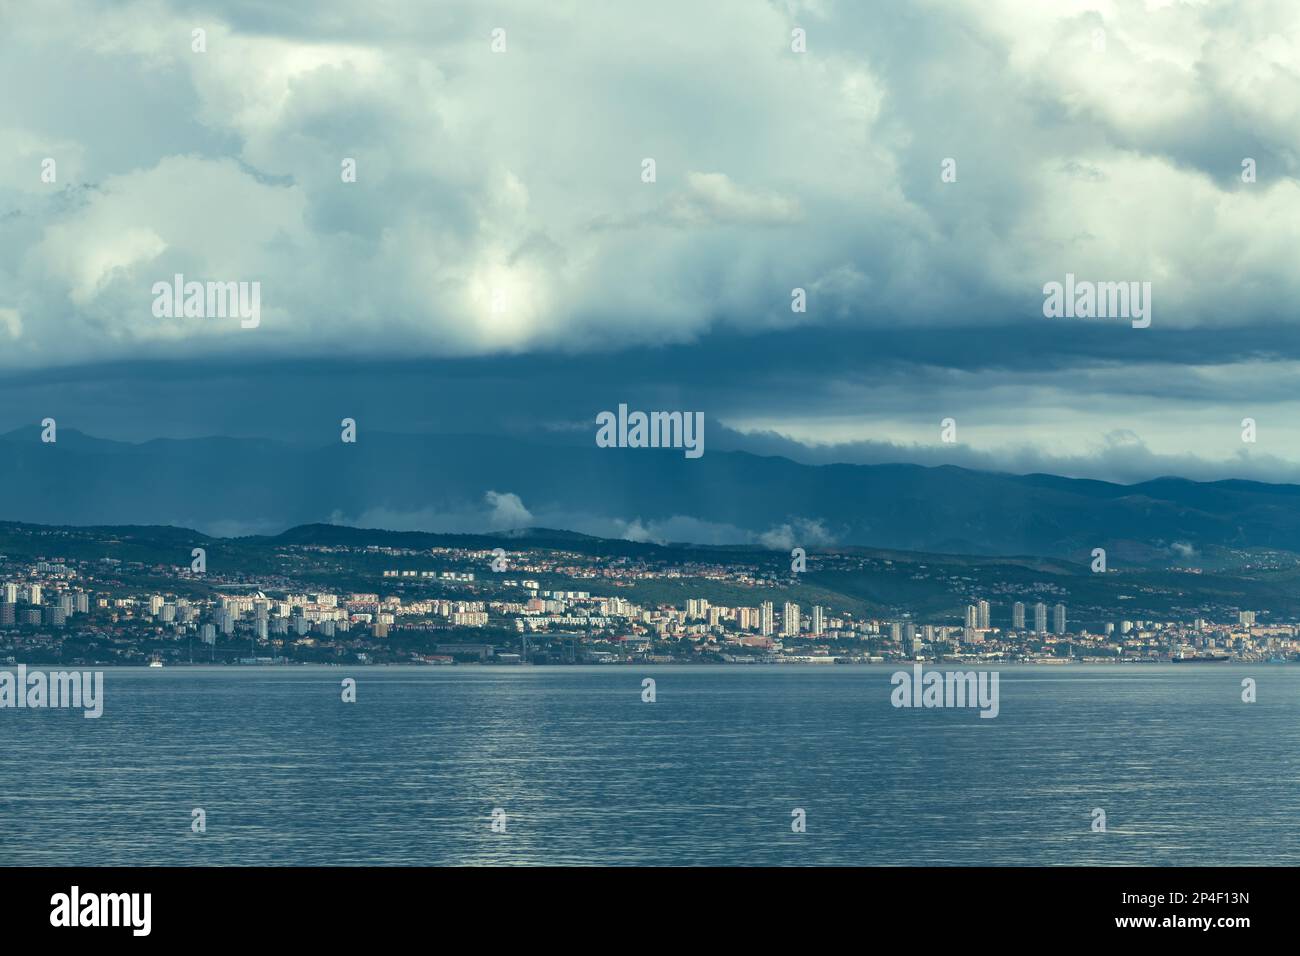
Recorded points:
501,264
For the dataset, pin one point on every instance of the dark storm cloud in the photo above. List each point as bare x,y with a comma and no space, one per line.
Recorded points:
1100,139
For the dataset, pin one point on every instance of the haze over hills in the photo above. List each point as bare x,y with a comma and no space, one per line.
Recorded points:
476,484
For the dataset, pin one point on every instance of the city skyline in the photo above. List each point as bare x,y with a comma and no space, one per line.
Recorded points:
539,605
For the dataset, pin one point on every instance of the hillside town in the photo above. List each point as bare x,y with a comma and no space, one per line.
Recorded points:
541,606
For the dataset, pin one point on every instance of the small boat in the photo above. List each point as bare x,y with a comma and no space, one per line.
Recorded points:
155,664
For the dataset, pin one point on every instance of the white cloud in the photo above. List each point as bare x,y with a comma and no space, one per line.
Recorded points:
499,207
801,532
508,511
712,198
11,322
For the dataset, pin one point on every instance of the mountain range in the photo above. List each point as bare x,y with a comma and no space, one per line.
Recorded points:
476,483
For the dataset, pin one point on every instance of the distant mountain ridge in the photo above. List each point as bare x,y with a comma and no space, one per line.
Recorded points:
440,483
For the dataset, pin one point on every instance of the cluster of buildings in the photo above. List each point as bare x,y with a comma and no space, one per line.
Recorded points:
35,604
978,619
473,608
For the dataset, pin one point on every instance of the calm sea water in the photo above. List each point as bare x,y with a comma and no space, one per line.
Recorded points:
708,774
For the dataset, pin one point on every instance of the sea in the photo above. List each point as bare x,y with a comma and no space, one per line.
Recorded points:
730,765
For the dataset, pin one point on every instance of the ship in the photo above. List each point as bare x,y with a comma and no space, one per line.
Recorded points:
1199,659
